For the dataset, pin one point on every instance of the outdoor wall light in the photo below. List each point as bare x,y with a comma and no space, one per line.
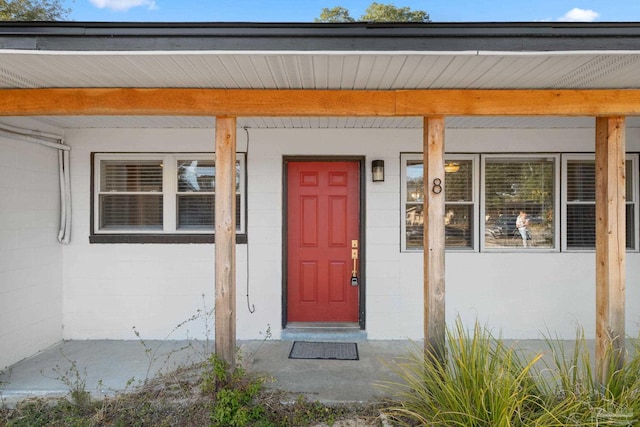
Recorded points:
377,171
451,167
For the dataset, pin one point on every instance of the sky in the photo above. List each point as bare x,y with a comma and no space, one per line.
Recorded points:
307,10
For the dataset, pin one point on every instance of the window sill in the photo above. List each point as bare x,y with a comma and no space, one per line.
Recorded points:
160,238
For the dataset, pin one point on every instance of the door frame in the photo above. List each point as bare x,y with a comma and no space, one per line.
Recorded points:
361,160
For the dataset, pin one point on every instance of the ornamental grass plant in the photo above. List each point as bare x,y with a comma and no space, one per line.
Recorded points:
485,382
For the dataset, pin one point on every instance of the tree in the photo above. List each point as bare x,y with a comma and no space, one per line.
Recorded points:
376,12
32,10
337,14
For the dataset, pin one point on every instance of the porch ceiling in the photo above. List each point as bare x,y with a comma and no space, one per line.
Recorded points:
328,70
180,122
360,56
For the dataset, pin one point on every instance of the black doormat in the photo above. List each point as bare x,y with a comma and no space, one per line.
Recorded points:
324,350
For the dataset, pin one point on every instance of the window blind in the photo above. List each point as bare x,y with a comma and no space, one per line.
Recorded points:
515,185
131,194
581,204
459,205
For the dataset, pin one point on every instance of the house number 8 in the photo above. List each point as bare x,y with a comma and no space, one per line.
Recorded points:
437,186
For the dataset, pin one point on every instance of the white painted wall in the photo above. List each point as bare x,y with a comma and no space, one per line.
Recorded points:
30,255
108,289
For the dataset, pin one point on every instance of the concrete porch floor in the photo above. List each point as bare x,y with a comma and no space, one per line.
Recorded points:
113,366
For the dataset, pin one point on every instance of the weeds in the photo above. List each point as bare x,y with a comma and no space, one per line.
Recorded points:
76,383
203,314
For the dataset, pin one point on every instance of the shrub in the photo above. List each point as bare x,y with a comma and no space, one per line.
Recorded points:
483,382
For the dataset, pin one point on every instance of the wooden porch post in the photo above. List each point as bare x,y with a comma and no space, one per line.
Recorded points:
434,316
610,243
225,247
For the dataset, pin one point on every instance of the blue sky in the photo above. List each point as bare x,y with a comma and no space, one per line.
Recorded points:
307,10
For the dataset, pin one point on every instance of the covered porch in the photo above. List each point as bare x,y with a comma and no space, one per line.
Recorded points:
485,91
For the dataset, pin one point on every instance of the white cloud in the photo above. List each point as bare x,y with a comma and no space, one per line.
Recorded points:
579,15
123,5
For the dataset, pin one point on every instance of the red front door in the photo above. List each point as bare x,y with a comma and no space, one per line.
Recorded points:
322,223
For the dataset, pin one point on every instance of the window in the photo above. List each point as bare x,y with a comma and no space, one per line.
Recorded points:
130,195
580,199
460,205
160,193
519,202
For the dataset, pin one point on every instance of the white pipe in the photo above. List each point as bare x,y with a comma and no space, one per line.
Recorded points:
57,142
67,196
42,138
35,133
63,205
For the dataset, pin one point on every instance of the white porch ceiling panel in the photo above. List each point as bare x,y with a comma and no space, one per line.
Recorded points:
372,71
174,122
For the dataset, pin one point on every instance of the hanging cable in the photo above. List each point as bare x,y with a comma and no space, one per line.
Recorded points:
56,142
250,307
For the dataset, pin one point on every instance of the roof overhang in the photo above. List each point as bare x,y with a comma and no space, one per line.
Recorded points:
358,58
359,36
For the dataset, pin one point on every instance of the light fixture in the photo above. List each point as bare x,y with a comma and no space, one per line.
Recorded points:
377,171
451,167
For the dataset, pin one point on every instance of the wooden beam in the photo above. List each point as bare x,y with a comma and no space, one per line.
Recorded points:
225,247
610,244
434,198
195,102
323,103
518,102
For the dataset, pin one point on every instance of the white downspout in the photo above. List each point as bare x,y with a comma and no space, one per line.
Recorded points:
56,142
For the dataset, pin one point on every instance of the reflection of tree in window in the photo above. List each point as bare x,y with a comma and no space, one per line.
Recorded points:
196,194
195,198
515,185
458,205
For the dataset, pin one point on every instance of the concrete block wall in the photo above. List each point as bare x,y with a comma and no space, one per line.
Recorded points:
109,288
30,255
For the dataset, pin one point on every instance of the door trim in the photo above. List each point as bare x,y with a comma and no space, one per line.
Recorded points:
362,228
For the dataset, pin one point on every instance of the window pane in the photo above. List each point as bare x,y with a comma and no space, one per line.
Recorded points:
458,223
513,186
198,212
581,196
459,184
415,186
130,176
459,214
131,211
581,226
630,230
581,180
415,225
629,181
196,175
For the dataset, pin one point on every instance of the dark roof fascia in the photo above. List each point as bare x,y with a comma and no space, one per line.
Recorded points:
360,36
